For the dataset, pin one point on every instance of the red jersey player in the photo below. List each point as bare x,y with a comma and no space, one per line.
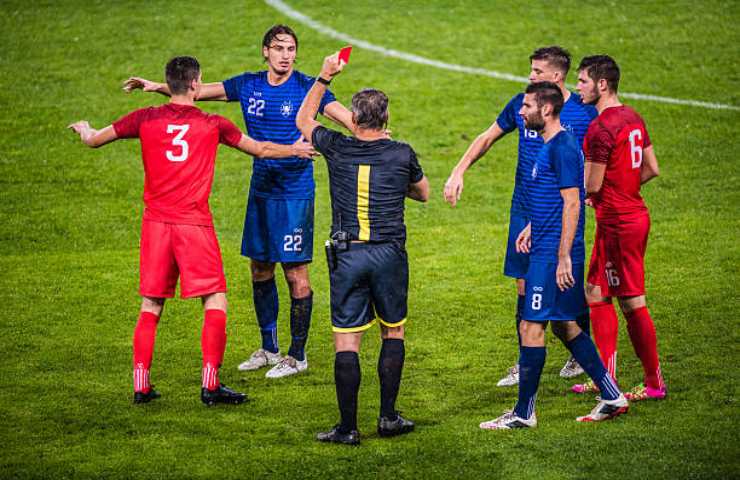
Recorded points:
619,159
179,144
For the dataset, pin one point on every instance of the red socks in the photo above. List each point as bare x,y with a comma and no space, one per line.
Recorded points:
605,330
642,333
144,336
213,344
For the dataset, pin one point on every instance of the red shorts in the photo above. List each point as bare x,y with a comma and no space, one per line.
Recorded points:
618,257
170,250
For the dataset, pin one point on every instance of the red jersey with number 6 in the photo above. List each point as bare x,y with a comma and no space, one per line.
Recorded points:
616,138
178,145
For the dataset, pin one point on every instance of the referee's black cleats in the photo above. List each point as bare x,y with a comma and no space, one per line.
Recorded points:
222,394
391,428
141,397
336,436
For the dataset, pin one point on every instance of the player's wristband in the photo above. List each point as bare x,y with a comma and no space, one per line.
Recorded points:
321,79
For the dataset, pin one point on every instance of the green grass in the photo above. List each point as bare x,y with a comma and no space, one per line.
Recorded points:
70,217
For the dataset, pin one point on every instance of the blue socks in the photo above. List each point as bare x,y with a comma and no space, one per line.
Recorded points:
300,321
584,351
266,306
531,361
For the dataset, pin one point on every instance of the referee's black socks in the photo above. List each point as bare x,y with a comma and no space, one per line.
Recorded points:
347,380
390,367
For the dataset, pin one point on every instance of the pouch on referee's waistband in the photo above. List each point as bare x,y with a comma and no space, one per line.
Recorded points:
331,255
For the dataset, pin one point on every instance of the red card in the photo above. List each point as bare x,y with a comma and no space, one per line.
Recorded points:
344,54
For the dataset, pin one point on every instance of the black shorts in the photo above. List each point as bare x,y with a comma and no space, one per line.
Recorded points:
369,278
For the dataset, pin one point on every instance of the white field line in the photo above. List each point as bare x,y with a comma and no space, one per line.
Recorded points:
410,57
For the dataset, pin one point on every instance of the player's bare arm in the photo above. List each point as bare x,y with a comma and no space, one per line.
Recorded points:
594,173
305,120
524,240
339,114
208,91
571,212
419,191
649,168
483,142
91,137
301,148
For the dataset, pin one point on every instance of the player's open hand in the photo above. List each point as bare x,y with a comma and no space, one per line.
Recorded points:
137,82
79,127
564,274
332,66
453,189
303,149
524,240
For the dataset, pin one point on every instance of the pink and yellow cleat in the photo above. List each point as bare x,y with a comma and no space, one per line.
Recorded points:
642,392
588,387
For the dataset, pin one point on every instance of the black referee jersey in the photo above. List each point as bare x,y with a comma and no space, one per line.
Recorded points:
368,181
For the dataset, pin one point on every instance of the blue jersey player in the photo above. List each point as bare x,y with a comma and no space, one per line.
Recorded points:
554,280
547,64
278,227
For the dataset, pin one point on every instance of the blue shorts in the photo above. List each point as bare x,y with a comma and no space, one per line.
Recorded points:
369,278
516,264
543,299
278,230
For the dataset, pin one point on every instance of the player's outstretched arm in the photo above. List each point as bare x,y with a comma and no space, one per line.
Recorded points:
301,148
649,168
208,91
91,137
571,212
305,120
419,191
479,147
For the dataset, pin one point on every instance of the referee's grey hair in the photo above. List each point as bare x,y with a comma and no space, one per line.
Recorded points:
370,108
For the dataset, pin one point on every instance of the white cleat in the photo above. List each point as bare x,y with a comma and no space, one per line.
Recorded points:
287,366
511,378
571,369
260,358
606,409
509,421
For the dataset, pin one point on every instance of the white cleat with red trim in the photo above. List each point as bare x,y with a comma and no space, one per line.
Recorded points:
606,410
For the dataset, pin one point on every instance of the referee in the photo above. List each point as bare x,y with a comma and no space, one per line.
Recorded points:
370,176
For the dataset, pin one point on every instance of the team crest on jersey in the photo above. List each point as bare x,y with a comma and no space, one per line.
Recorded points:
286,108
534,172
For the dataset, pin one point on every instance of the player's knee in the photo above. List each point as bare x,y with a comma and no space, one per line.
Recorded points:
593,294
298,282
628,304
520,290
262,271
565,331
152,305
215,301
532,333
347,342
391,332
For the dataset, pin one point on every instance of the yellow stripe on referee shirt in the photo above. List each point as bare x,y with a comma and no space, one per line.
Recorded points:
363,201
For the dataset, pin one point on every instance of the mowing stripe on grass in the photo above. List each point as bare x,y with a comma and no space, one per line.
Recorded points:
410,57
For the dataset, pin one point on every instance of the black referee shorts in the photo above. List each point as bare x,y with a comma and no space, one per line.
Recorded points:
369,278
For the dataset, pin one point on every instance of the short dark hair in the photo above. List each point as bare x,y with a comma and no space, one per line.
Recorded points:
556,56
601,67
547,92
278,30
370,107
180,72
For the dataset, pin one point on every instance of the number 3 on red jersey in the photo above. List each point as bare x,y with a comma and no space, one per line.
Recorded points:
182,155
636,147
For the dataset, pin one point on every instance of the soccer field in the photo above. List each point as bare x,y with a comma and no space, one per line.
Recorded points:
70,231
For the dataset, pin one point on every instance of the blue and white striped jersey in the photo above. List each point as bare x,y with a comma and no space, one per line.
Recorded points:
269,114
